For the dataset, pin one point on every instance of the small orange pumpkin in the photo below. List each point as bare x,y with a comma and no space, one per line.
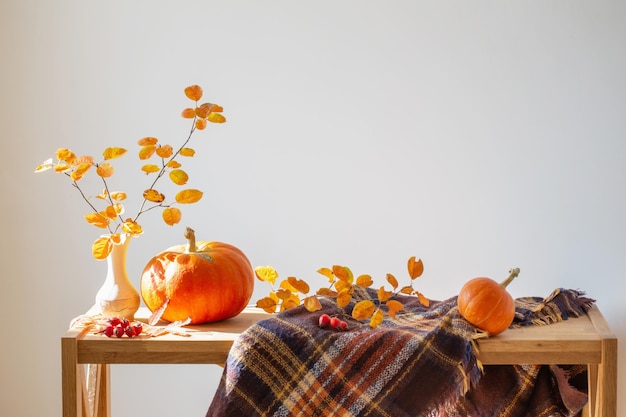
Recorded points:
486,303
203,281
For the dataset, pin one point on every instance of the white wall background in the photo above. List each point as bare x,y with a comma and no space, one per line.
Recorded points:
478,136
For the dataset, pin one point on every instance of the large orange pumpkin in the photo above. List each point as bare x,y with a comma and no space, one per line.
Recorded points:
203,281
486,303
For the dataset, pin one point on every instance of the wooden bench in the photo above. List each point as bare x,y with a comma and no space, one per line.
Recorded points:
585,340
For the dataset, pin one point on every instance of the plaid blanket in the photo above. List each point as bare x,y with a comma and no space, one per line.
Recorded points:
422,363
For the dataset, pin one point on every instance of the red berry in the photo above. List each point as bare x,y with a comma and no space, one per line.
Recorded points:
124,323
108,331
118,331
114,321
137,328
324,320
130,331
334,322
343,326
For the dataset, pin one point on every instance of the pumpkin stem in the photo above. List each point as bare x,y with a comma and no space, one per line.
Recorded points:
513,273
190,235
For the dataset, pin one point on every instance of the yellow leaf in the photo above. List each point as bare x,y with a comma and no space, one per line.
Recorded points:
65,155
187,152
112,211
150,168
103,195
194,92
97,219
344,297
326,292
212,108
384,295
116,238
364,281
153,195
59,168
80,171
394,306
266,273
188,196
101,248
147,141
179,177
343,273
407,290
164,151
312,303
105,170
287,286
112,153
118,195
45,165
327,273
146,152
376,319
171,216
132,228
392,280
289,304
188,113
416,268
216,118
363,309
299,285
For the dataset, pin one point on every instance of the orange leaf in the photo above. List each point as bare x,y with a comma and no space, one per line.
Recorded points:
392,280
173,164
340,285
111,212
377,318
194,92
423,300
200,124
164,151
364,281
147,141
267,304
58,168
216,118
188,113
344,297
101,248
284,294
118,195
299,285
266,273
394,306
326,292
105,170
188,196
150,168
179,177
384,295
416,268
171,216
153,195
363,309
290,303
146,152
112,153
312,303
343,273
97,219
187,152
212,108
407,290
202,112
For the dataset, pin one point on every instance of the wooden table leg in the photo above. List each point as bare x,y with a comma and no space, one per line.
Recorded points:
70,381
606,398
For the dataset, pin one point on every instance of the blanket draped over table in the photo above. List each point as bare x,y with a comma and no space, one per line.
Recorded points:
422,363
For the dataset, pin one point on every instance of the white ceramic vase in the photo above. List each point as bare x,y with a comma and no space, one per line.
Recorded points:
118,297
